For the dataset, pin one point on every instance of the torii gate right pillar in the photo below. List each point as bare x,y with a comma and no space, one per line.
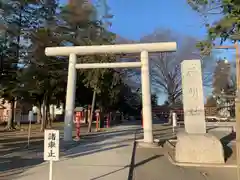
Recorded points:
146,98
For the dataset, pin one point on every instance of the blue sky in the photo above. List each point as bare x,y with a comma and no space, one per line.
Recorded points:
136,18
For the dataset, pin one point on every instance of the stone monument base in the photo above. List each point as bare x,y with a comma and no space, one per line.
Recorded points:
198,148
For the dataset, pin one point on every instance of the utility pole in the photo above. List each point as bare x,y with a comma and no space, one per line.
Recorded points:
237,111
237,103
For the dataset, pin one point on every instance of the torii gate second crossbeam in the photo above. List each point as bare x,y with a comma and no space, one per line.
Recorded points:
143,49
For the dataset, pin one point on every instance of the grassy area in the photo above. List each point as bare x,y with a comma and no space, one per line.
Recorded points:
55,125
15,141
15,156
35,126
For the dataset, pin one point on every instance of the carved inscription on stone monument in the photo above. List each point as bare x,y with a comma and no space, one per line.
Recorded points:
193,102
193,92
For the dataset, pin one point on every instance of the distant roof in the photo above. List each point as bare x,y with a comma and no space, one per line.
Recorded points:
78,109
2,107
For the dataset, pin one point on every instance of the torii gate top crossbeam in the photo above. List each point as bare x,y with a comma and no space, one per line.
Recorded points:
119,48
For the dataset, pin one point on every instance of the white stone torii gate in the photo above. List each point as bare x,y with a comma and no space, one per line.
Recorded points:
144,49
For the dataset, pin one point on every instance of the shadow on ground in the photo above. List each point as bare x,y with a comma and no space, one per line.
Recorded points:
228,151
22,159
134,165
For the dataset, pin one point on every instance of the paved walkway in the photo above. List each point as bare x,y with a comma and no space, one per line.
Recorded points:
106,158
114,156
151,164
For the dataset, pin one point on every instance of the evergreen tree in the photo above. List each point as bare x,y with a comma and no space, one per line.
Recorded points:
16,23
221,77
226,28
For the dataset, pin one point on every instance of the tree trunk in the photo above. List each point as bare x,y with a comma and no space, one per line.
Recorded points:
43,124
49,119
10,123
53,112
39,114
170,118
92,110
15,114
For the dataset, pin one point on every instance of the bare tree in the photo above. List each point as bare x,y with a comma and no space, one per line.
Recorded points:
166,67
166,76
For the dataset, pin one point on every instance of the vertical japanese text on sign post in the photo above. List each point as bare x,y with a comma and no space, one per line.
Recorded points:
51,145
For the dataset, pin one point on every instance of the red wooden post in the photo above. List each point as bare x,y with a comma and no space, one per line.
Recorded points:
108,120
78,122
82,115
97,121
110,117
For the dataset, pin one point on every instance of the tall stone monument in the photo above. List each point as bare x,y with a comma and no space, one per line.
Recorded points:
195,145
193,101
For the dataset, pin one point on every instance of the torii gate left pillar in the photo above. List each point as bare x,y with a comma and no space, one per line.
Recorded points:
144,49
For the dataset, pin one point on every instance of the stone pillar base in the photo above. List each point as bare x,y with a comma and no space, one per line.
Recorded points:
143,144
198,148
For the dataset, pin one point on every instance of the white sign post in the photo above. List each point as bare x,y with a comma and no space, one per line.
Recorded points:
30,119
174,121
51,148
